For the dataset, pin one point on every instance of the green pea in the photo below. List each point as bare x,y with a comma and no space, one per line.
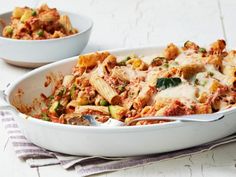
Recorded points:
121,88
166,65
202,50
40,33
46,119
9,30
34,13
123,62
211,74
103,103
204,83
51,97
196,82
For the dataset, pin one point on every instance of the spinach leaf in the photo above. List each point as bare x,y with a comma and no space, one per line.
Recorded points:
164,83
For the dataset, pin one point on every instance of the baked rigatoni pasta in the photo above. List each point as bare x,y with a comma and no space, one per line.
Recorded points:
178,81
104,89
37,24
91,60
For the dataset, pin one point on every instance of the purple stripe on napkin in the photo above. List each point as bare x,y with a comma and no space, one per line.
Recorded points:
23,148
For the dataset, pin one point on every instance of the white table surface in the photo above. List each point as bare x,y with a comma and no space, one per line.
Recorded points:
133,23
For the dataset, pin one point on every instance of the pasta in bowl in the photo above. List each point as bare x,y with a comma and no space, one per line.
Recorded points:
38,24
33,91
176,82
42,35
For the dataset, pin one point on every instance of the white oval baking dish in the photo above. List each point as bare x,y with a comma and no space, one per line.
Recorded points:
110,141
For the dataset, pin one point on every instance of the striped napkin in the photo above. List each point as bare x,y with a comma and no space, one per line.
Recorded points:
84,166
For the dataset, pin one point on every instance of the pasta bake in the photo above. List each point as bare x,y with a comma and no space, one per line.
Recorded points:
37,24
177,81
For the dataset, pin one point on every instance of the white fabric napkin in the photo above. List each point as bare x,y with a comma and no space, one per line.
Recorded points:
84,166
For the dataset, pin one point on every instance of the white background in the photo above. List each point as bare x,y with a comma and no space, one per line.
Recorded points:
133,23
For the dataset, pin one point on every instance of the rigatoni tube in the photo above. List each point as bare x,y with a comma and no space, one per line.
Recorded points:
91,60
104,89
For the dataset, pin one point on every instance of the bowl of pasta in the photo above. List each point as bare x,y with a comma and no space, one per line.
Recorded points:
31,37
51,102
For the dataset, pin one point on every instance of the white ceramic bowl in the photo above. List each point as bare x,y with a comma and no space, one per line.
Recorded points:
34,53
109,141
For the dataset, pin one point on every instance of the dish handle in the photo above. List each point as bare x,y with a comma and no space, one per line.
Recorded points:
4,105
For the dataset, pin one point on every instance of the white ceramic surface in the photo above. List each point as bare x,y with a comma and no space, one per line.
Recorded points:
110,141
34,53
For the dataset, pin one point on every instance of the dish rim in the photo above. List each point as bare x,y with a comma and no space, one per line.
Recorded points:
173,124
91,23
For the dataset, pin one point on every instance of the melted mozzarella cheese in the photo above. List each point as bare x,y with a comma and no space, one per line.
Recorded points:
217,75
182,91
133,74
204,82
